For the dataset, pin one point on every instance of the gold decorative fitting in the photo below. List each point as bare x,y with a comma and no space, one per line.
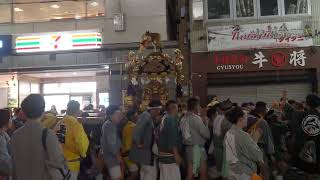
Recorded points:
149,74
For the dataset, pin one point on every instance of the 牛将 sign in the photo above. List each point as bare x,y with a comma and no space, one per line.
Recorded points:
59,41
5,45
259,60
259,36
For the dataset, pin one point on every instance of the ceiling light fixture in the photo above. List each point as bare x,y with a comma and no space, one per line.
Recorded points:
74,73
107,67
94,4
55,6
18,9
77,17
57,17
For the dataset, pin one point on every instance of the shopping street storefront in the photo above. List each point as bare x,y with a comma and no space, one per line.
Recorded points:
252,75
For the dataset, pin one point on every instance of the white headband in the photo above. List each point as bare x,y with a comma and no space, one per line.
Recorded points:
157,107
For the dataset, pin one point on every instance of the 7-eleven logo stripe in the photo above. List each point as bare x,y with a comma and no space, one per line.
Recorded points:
56,39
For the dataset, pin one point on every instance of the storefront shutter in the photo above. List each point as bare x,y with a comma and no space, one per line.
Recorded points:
266,93
238,94
296,91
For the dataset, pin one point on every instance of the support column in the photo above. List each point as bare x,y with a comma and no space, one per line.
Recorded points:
199,87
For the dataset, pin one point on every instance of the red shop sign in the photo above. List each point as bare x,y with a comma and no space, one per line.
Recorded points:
226,59
279,59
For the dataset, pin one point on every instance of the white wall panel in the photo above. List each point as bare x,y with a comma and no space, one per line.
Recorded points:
144,7
5,29
88,58
3,97
6,62
135,27
54,26
21,28
67,59
22,61
90,24
41,60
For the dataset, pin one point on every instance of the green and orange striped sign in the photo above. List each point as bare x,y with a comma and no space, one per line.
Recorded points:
86,40
31,43
58,42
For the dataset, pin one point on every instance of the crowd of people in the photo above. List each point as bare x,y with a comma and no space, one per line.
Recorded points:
224,141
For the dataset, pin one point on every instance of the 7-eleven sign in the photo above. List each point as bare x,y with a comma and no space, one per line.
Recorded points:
59,41
55,40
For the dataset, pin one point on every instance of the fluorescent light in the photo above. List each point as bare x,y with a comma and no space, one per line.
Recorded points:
107,67
94,4
74,73
55,6
57,17
18,9
1,44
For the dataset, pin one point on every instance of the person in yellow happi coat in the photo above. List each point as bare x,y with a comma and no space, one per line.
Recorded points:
73,138
132,116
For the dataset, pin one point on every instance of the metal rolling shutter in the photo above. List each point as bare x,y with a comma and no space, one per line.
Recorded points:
296,91
266,93
237,94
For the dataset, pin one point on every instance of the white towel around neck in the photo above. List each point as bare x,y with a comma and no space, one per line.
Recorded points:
217,125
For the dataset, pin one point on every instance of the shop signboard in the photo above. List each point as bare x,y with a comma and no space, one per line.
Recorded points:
261,60
5,45
58,41
260,36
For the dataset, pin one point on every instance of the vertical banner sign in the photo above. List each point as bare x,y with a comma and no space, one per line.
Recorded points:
58,42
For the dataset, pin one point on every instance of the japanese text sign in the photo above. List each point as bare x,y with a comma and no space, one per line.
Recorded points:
58,41
260,36
261,60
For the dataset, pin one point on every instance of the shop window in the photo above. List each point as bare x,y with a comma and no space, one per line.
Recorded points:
35,88
82,87
245,8
59,101
237,9
269,7
95,8
38,10
79,87
219,9
24,13
5,13
24,90
104,99
296,6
